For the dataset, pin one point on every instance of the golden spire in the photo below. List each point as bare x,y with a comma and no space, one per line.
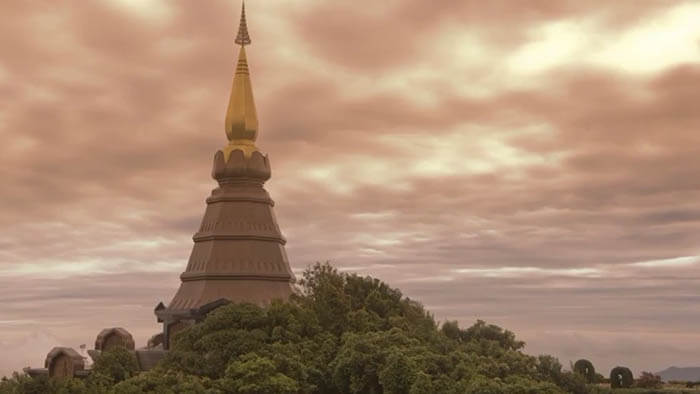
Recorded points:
241,117
243,38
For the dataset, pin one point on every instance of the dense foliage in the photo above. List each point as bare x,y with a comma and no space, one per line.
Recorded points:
648,380
341,334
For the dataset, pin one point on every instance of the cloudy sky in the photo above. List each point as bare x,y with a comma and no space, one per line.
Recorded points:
535,164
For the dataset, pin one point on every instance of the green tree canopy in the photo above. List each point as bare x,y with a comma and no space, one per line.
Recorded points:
343,333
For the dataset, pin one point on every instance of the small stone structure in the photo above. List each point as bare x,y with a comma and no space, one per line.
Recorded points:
35,372
109,338
64,362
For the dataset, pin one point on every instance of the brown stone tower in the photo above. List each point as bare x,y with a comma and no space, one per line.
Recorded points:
238,252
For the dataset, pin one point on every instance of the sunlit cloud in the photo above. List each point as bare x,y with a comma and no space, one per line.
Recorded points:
670,263
155,10
528,271
667,39
649,46
555,44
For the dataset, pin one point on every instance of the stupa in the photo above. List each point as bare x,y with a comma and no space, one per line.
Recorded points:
238,253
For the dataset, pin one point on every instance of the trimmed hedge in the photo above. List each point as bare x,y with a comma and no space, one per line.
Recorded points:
621,377
585,368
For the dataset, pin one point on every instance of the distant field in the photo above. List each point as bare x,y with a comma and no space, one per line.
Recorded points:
667,389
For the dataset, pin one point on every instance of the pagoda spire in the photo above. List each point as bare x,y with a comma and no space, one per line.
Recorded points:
243,38
241,116
238,253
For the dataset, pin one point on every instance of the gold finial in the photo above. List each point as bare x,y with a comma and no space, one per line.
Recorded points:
243,38
241,117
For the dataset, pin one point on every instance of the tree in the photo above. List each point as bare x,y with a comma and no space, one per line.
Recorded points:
573,383
23,384
548,368
324,293
451,329
397,374
422,384
112,367
356,366
159,380
253,374
506,339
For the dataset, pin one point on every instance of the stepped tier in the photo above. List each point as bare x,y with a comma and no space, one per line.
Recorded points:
238,252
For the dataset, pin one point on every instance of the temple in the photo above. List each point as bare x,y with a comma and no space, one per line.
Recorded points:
238,253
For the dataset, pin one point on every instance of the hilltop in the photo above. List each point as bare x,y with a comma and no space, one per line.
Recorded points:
684,374
342,333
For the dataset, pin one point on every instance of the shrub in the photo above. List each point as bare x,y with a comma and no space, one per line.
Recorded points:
24,384
113,366
648,380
